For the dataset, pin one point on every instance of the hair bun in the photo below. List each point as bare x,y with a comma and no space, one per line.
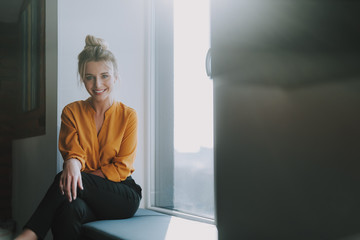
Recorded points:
91,41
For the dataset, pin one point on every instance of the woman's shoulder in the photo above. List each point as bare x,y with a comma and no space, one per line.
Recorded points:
76,106
125,110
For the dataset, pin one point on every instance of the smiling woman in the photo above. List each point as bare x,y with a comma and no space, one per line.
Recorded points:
98,141
67,23
99,80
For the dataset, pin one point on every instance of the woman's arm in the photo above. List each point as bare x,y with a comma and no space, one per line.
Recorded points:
69,144
73,154
121,166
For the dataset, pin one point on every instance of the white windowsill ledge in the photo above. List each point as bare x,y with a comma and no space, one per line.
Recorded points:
189,227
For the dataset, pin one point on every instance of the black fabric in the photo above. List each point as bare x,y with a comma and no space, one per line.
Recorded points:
100,199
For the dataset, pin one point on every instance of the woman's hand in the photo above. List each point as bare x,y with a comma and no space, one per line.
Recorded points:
70,178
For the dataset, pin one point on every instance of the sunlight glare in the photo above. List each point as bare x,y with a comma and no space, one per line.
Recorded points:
193,93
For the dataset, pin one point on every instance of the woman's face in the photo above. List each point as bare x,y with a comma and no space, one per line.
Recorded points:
99,80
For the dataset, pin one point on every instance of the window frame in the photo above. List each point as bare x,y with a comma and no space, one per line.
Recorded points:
29,119
161,123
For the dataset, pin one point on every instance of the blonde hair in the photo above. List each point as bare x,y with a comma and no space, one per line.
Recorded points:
96,49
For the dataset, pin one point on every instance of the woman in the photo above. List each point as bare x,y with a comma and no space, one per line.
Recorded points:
97,140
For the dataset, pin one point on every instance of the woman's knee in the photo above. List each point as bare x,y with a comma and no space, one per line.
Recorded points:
75,209
69,218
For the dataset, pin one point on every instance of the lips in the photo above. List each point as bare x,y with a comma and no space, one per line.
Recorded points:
99,91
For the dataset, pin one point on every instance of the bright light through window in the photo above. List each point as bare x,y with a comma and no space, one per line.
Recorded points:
193,109
192,88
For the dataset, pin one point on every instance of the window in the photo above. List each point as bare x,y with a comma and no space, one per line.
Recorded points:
30,119
182,170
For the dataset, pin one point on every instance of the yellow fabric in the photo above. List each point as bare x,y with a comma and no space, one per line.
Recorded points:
113,150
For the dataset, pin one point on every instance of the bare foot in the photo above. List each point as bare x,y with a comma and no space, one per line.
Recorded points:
27,234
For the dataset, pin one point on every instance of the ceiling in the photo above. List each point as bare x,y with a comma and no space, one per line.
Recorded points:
9,10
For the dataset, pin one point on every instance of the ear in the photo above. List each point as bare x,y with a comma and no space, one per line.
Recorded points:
116,78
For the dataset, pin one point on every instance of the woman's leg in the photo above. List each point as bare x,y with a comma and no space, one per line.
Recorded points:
100,199
69,219
110,200
106,199
43,216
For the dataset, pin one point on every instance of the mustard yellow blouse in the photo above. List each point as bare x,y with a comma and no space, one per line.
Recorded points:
113,150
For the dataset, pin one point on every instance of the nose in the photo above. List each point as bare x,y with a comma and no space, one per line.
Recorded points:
97,82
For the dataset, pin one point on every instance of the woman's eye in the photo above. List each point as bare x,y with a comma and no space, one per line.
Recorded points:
89,77
105,76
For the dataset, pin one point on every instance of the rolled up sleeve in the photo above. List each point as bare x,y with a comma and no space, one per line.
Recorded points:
69,145
121,165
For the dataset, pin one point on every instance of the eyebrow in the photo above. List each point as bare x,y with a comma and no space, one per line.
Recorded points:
100,73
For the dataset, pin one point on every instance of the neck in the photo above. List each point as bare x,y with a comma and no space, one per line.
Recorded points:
101,106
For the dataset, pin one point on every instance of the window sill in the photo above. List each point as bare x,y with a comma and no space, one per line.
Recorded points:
186,226
182,215
151,225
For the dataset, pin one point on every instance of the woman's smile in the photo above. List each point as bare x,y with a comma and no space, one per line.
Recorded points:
99,92
99,80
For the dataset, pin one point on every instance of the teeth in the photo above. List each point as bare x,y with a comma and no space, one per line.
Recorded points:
99,91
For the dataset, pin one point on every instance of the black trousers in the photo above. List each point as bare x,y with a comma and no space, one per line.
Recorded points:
100,199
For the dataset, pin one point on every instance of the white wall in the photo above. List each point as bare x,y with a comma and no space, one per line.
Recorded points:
34,159
122,24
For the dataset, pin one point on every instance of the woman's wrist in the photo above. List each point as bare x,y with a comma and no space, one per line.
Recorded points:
73,161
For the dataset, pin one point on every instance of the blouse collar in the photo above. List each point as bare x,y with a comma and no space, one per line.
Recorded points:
107,112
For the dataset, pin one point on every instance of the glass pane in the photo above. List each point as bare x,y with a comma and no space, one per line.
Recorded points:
193,110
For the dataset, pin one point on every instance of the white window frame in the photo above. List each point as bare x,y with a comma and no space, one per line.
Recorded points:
161,124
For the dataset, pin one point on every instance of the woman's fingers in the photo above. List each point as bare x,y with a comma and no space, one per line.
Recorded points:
80,184
73,187
61,184
71,179
68,188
